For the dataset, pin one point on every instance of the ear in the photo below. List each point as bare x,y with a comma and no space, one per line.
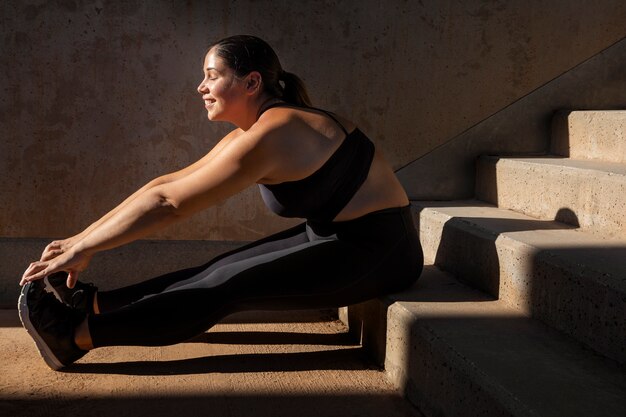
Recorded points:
253,82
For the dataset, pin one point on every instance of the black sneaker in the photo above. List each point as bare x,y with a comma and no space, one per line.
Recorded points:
80,297
51,324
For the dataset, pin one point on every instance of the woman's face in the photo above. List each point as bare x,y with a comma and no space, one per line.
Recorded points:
222,92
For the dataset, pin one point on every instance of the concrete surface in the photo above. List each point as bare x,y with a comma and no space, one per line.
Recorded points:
571,280
591,134
457,352
523,127
98,97
241,367
589,194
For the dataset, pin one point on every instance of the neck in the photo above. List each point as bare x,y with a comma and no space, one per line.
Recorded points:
255,108
264,104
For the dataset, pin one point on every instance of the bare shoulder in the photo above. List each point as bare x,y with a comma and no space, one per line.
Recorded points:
273,129
298,140
261,145
304,120
251,139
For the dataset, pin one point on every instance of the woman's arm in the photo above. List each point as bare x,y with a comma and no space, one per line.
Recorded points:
237,165
58,247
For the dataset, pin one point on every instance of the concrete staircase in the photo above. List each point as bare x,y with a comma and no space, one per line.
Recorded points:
521,309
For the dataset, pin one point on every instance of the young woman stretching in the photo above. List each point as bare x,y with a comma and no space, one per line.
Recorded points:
357,242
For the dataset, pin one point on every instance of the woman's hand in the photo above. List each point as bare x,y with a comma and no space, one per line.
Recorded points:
58,247
71,261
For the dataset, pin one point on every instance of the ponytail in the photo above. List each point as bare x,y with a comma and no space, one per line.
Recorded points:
294,90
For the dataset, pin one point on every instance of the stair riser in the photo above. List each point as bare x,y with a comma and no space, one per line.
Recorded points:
560,294
596,201
431,376
590,135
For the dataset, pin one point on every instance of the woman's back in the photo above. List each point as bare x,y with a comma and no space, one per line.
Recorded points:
326,166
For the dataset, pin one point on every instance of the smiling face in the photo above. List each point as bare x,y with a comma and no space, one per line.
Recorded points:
223,93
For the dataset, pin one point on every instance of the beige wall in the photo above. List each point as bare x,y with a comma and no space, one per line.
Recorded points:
99,97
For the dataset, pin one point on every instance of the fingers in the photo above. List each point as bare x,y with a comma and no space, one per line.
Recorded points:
72,277
57,259
35,271
52,250
53,246
51,254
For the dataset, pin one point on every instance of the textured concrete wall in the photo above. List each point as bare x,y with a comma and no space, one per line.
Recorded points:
98,97
522,128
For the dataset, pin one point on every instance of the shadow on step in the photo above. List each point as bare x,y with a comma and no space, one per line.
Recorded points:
467,247
453,360
569,279
425,291
273,338
483,358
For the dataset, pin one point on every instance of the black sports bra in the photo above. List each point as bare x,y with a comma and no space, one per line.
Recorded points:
323,194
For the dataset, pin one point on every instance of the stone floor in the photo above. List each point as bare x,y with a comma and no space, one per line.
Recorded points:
257,364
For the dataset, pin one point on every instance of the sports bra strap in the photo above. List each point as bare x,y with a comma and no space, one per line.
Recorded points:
326,112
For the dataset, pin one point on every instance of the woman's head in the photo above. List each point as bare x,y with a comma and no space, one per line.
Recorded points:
245,54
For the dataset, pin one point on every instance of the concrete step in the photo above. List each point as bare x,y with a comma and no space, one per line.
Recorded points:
588,194
457,352
599,134
571,280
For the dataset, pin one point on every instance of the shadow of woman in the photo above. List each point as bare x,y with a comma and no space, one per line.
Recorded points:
338,359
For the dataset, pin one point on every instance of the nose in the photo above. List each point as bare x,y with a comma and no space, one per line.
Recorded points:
202,88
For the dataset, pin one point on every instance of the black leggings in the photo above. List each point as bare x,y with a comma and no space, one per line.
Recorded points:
312,265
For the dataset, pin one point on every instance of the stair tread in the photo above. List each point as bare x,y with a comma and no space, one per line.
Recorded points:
588,193
507,353
600,167
563,242
601,111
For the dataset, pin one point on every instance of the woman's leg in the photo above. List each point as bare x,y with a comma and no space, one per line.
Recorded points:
112,300
323,272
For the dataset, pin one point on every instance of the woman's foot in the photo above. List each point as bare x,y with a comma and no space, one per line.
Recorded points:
51,324
81,297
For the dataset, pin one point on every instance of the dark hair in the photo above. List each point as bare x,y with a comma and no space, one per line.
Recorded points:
246,53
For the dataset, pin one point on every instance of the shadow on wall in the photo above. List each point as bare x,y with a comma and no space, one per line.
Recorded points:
559,134
521,127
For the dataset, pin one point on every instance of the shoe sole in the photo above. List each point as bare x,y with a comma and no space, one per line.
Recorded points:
51,360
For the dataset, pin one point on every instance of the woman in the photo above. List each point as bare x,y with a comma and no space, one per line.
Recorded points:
358,241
